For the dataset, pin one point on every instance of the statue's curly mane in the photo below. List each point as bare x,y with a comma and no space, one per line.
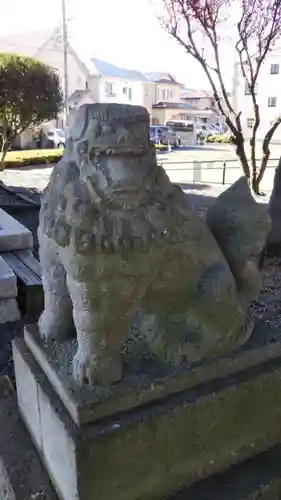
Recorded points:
78,219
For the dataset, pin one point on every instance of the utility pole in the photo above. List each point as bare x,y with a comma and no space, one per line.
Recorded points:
65,61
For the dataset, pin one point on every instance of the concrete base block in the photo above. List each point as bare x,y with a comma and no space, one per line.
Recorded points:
258,478
13,235
150,452
8,281
138,386
22,476
9,311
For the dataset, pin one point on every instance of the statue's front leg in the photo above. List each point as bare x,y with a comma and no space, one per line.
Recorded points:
56,321
97,360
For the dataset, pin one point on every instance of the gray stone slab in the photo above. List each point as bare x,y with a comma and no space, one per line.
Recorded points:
8,281
13,235
137,387
9,311
22,476
154,451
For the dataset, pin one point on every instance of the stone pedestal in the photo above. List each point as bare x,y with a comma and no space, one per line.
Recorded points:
146,437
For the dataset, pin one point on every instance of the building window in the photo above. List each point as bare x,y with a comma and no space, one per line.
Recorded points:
274,69
108,86
247,89
250,122
165,93
272,102
181,117
128,92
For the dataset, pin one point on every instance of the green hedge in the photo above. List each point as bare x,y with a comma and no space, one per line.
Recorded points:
220,139
32,157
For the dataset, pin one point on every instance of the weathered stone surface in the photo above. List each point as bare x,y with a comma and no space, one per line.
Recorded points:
240,226
22,476
120,248
13,235
9,311
166,446
8,281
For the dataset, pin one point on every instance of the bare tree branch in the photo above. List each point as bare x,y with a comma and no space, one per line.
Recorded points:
258,30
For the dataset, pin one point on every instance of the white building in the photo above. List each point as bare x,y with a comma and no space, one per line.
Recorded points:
89,79
268,97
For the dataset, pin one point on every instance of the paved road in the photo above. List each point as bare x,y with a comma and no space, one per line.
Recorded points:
202,164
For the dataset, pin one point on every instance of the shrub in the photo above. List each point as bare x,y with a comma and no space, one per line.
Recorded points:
17,159
218,138
211,138
29,94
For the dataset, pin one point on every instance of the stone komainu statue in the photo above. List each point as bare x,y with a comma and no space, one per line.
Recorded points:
119,242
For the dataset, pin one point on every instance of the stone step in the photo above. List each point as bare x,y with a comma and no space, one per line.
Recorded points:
13,235
8,281
9,310
22,476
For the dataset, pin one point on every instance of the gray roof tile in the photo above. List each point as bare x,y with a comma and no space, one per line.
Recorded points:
107,69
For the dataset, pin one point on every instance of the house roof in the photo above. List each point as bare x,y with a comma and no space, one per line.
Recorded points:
105,68
26,43
195,94
161,78
173,105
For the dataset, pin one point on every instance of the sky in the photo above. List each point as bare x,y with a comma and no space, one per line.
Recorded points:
124,32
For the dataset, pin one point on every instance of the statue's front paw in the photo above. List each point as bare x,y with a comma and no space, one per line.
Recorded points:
89,370
54,328
47,328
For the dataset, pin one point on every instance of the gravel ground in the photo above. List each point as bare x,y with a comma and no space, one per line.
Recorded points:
266,311
8,332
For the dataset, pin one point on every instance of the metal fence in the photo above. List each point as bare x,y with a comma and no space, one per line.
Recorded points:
213,172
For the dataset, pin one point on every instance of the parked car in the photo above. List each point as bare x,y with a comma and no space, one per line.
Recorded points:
206,130
161,135
56,138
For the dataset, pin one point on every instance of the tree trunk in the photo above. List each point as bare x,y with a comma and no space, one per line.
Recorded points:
4,151
240,151
266,153
255,186
259,177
